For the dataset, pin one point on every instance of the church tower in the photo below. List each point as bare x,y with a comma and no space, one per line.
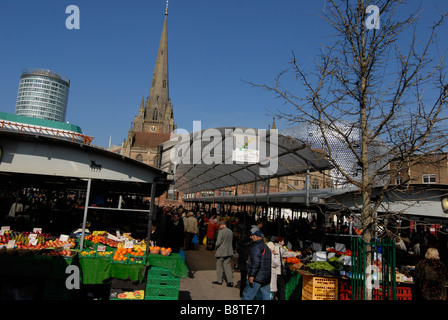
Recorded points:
155,119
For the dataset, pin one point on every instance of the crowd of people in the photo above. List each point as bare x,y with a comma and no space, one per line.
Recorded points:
259,261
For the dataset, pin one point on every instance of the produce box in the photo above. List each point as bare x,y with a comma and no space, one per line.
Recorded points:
104,254
112,261
319,288
87,254
127,295
136,259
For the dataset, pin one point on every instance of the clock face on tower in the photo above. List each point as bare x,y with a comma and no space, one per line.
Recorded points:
153,128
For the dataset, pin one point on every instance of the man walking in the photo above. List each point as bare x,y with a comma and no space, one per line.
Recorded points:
258,269
191,229
224,251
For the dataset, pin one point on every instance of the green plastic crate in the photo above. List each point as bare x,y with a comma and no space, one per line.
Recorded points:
162,293
163,282
156,272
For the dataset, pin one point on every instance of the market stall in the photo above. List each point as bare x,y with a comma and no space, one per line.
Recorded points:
44,258
328,275
44,261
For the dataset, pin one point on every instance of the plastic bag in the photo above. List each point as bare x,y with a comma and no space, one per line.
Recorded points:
195,239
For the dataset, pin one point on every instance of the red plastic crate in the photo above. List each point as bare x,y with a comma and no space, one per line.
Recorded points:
403,293
345,290
346,295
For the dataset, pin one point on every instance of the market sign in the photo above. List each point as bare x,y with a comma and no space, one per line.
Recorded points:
246,150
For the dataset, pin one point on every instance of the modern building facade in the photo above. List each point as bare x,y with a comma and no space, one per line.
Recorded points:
42,94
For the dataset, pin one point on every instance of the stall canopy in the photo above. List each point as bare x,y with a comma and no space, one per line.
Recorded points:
28,160
216,158
32,160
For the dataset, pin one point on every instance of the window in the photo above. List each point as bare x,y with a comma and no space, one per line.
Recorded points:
139,158
398,180
429,178
315,184
155,115
172,194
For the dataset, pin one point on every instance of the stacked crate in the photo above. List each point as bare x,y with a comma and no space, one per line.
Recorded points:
345,290
319,288
161,284
403,293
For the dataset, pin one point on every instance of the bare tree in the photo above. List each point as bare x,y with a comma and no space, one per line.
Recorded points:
385,82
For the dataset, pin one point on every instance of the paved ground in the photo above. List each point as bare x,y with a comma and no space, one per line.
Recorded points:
199,286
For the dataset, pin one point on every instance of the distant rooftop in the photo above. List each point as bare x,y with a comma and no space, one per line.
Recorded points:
13,122
47,73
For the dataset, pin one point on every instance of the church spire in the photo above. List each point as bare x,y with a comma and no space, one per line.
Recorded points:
273,124
159,93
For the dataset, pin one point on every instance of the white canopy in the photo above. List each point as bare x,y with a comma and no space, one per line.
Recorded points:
223,157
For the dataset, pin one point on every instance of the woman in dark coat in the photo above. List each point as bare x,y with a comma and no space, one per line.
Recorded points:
431,275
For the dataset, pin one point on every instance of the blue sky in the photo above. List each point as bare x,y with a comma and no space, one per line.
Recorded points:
213,46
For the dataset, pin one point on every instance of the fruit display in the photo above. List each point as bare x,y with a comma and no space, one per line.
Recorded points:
104,254
141,245
165,251
87,254
154,249
137,253
6,237
102,238
99,233
43,241
55,253
320,265
121,255
57,243
347,252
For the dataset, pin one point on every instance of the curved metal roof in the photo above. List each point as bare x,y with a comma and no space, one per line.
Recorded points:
223,157
28,159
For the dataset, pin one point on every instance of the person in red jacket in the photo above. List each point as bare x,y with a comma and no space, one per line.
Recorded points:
212,228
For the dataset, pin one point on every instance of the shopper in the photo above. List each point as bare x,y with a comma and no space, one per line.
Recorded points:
431,276
156,235
174,233
257,226
212,228
278,274
224,251
258,269
243,248
202,227
16,207
191,229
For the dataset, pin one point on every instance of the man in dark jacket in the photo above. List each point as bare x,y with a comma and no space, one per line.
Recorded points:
243,250
258,269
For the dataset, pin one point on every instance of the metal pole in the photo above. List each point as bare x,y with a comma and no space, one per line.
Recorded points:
86,207
151,211
307,186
